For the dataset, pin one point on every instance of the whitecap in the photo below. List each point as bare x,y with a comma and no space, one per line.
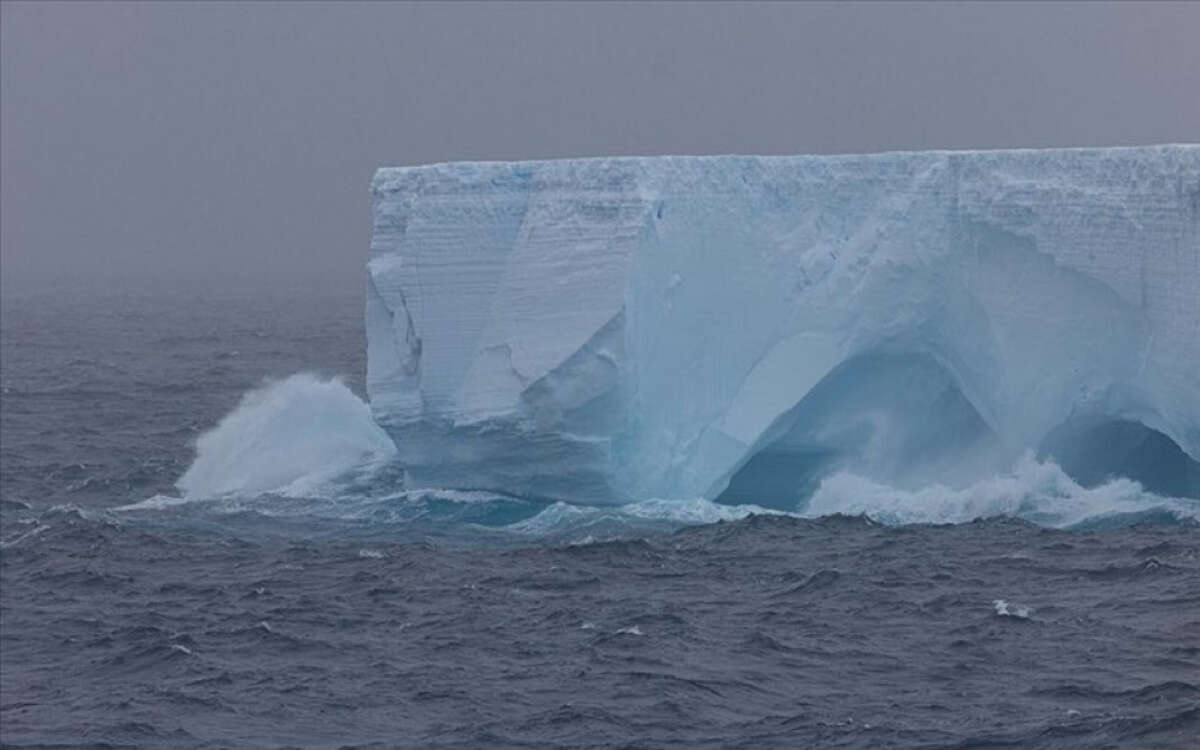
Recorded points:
158,502
1005,609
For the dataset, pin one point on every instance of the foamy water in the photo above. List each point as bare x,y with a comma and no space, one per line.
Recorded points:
312,438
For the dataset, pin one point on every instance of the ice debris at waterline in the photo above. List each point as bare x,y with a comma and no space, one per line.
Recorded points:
741,328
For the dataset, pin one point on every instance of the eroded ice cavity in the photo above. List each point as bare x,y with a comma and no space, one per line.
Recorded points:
603,330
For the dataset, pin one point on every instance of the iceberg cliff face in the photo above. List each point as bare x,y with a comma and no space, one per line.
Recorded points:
605,330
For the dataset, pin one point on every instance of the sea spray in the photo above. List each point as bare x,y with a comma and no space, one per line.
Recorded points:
1035,490
288,436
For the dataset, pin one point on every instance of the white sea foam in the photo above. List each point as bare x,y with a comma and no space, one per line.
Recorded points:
37,529
1035,490
158,502
562,517
1006,609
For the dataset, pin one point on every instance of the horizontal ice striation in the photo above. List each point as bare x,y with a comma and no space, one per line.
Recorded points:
615,329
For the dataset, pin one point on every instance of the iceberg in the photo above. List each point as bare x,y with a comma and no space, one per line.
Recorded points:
612,330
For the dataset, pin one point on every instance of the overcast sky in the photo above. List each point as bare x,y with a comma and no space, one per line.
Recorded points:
232,145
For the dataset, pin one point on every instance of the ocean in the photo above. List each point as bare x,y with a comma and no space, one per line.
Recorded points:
203,544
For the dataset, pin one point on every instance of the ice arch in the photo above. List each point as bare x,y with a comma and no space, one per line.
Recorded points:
900,418
1095,449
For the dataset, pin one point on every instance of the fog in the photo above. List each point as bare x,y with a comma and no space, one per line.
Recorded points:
215,146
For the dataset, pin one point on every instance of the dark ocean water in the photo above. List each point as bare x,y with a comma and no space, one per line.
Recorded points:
350,612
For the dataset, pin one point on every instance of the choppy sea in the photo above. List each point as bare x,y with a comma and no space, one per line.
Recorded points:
204,544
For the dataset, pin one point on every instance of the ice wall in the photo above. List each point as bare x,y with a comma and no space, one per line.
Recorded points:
603,330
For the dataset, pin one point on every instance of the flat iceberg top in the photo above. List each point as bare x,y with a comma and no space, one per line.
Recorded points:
608,329
585,173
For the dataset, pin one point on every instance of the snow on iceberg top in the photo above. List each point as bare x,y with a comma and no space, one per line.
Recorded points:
576,172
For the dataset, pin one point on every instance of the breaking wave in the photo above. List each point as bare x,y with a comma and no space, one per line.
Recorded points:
290,437
307,448
1036,490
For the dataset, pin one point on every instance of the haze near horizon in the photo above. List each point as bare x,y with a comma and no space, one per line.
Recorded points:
229,147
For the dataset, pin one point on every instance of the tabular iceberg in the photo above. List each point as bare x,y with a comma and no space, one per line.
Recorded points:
613,329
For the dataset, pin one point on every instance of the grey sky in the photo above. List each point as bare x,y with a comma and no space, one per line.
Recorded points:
232,144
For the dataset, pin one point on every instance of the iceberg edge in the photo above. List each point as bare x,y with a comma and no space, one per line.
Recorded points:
606,330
